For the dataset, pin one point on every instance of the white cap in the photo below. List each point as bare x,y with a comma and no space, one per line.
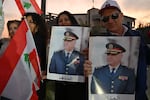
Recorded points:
110,4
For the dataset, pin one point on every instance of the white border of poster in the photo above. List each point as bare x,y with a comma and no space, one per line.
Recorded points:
97,50
56,44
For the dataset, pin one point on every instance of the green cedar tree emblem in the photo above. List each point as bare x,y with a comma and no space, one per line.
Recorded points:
26,5
26,59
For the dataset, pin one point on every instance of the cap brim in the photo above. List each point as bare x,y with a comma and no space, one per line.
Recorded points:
69,39
112,53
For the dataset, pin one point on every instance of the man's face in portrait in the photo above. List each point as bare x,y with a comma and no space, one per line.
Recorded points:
114,59
69,40
69,45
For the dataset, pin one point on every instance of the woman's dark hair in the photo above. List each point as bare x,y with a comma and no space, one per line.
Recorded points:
70,16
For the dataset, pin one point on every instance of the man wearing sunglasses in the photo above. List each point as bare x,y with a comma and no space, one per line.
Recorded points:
113,78
112,20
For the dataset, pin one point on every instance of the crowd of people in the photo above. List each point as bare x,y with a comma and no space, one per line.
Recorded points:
112,19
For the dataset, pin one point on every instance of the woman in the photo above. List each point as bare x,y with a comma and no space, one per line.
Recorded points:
65,18
12,26
69,90
39,31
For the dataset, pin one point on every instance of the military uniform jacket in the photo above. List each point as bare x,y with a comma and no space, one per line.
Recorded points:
122,82
141,80
60,66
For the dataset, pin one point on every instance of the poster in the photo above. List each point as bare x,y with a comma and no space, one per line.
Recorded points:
114,65
66,56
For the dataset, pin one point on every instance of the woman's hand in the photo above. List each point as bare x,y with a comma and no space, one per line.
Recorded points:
87,68
43,76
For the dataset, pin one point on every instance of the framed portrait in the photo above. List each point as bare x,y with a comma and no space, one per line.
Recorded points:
66,56
114,65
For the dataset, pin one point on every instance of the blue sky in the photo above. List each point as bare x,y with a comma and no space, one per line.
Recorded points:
138,9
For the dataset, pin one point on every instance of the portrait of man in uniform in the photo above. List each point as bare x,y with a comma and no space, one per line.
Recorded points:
65,55
67,61
114,77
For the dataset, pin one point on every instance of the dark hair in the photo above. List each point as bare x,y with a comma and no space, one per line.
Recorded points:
13,21
70,16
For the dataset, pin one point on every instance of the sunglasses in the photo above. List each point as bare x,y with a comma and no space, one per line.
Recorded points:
106,18
112,54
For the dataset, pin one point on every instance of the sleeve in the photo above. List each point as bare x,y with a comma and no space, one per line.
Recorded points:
52,66
80,68
93,91
141,79
131,82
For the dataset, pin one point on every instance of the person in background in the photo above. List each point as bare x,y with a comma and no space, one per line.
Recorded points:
69,90
12,26
39,31
112,19
65,18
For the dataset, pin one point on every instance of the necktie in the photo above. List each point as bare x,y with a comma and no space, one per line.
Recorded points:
67,57
113,71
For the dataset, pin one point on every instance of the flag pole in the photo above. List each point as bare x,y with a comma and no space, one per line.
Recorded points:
43,7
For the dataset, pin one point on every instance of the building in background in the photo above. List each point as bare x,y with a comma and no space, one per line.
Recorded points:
91,18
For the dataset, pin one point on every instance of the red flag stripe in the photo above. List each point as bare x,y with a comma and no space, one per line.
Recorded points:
34,94
12,54
34,4
19,4
34,62
36,7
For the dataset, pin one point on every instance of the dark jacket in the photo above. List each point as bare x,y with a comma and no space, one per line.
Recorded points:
40,44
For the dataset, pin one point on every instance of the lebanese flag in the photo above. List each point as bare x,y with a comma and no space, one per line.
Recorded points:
20,70
28,6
